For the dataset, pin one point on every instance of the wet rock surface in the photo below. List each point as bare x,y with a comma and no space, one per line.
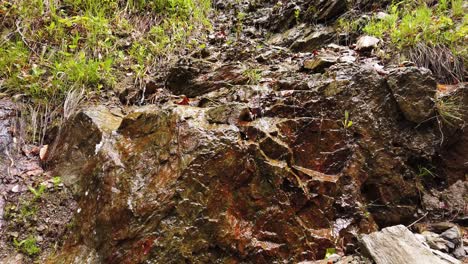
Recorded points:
262,179
258,150
414,89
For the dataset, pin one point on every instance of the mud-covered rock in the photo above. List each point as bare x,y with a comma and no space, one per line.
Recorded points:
450,201
172,174
414,89
79,141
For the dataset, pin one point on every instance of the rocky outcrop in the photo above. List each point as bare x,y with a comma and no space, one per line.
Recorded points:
243,173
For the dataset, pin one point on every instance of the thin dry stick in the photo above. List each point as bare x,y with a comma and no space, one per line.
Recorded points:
18,30
421,218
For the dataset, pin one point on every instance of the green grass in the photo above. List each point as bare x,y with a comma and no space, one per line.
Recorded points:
27,246
412,22
37,192
433,37
49,47
451,111
253,75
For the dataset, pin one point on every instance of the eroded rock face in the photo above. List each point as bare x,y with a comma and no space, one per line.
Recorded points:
248,173
193,80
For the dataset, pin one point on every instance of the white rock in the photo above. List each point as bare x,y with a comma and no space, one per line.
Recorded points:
15,188
367,43
397,245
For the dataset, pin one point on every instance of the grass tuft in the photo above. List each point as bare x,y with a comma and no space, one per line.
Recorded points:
51,47
433,37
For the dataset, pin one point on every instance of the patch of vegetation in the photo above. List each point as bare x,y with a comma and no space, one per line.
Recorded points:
425,172
346,122
56,181
37,192
253,75
240,23
411,22
329,252
433,37
51,47
451,111
27,246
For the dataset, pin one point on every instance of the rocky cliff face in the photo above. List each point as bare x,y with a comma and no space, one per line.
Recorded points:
250,173
254,154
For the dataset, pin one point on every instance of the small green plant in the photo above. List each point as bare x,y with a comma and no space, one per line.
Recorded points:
346,122
253,75
329,252
367,214
27,210
457,8
424,172
240,23
297,14
27,246
37,192
56,181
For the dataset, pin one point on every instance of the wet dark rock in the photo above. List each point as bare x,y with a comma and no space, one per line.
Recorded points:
191,80
414,89
315,40
230,114
327,10
284,16
78,142
370,4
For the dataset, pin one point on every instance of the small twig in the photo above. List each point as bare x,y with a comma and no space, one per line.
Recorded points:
23,38
421,218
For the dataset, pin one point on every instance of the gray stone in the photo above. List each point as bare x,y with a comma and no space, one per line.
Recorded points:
453,234
435,241
395,245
